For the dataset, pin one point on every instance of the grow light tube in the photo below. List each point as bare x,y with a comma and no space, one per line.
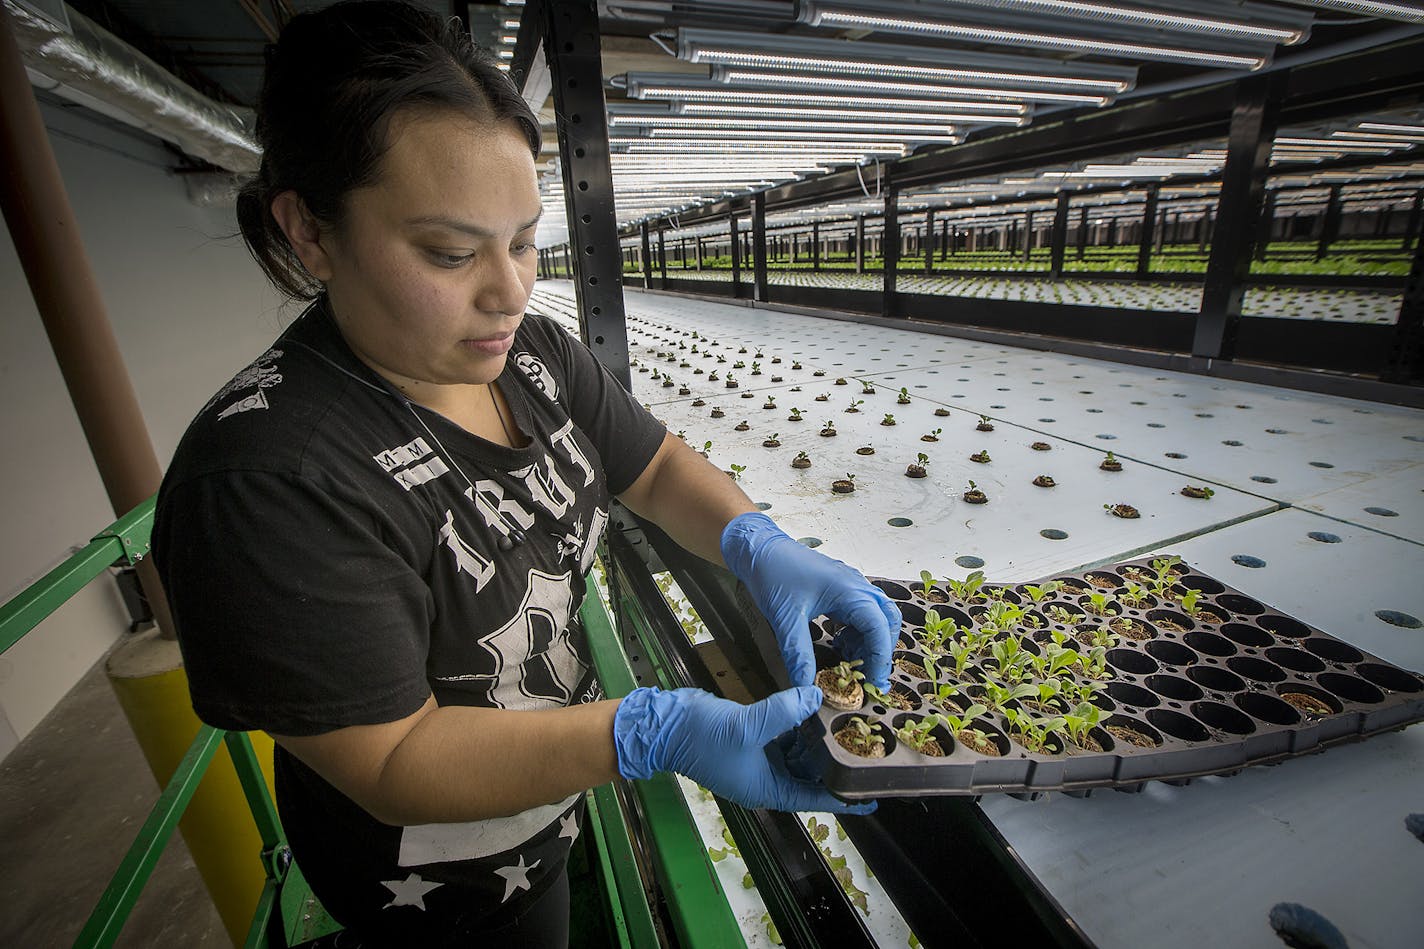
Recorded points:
1407,12
985,34
710,124
761,134
1156,19
736,110
1391,127
786,61
702,97
764,78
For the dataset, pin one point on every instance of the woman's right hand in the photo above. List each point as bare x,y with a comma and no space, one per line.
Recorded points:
721,745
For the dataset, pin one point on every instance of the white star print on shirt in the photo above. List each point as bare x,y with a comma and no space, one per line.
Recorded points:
516,878
409,892
568,827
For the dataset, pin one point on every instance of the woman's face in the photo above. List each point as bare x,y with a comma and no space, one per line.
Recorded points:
433,265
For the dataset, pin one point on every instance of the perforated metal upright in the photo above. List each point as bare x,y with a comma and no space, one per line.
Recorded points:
566,34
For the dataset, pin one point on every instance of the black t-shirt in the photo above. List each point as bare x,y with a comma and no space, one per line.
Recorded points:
334,554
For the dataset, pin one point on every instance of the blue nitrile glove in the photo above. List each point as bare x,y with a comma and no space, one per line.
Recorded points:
721,745
793,584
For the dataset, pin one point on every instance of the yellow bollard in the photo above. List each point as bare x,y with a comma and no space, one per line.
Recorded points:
147,675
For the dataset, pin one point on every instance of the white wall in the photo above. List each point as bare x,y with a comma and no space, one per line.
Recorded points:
189,308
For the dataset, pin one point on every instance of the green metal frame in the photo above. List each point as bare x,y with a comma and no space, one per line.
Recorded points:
287,913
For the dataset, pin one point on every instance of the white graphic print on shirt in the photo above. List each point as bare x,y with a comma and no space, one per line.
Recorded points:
533,367
411,464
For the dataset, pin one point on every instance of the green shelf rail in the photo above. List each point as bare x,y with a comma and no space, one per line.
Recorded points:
287,914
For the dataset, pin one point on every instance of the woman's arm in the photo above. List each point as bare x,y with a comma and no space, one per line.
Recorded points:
687,496
461,763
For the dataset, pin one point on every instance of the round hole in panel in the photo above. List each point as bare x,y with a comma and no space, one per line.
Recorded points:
1053,533
1381,512
1321,464
1264,479
812,542
1396,618
763,505
1246,560
899,522
1324,537
969,562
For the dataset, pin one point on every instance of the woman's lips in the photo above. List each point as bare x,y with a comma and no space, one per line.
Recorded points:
490,345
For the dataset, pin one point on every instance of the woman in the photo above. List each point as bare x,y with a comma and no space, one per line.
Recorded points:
375,537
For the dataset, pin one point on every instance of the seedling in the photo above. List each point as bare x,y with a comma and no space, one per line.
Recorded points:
1032,732
1039,593
855,405
756,368
795,416
968,588
933,436
737,471
904,397
918,735
840,684
770,402
1081,721
980,457
939,632
984,424
1135,595
1103,637
964,722
1099,603
706,448
862,738
802,460
1059,614
682,434
926,583
867,389
1189,602
888,419
997,696
828,428
974,495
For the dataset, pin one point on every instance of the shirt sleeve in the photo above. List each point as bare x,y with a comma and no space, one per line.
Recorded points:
296,610
626,435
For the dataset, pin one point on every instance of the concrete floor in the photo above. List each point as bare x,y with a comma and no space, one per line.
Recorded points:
72,796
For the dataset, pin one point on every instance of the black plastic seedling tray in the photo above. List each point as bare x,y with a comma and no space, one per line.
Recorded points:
1207,694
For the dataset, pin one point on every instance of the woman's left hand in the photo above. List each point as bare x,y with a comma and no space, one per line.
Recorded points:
792,584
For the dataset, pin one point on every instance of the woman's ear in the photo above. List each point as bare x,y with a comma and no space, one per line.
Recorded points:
303,233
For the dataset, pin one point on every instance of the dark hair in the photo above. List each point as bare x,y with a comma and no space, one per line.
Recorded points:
333,81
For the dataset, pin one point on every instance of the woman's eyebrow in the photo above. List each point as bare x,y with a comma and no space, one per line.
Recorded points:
465,227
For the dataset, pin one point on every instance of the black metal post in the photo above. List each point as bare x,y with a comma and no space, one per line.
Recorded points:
759,282
662,258
1082,232
682,253
647,257
815,246
1411,229
929,239
890,246
1028,236
1406,355
1264,228
1058,239
699,255
569,34
736,253
1149,217
1243,187
1330,226
1112,232
860,243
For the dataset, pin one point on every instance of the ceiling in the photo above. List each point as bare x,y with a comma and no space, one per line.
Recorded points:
694,87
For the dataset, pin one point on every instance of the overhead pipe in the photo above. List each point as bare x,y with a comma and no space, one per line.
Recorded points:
90,66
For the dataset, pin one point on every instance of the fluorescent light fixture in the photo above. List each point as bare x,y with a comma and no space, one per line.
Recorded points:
1278,26
766,78
1337,143
854,20
874,142
1392,127
817,54
701,95
709,123
1408,12
866,114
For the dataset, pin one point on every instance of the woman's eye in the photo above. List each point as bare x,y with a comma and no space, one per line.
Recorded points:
523,248
449,260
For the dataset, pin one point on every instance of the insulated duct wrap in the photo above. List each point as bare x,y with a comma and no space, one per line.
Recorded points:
98,70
